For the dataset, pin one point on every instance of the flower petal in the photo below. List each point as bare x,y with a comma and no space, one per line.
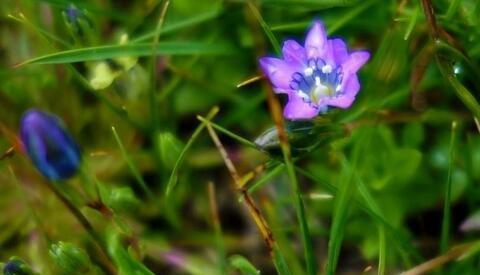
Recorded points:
315,43
294,53
354,62
346,98
339,50
279,72
297,109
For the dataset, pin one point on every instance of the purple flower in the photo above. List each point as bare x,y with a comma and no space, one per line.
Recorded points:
318,75
48,144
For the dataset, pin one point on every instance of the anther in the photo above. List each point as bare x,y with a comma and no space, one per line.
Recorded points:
326,69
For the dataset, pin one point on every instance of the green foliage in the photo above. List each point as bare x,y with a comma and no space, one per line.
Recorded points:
70,259
382,184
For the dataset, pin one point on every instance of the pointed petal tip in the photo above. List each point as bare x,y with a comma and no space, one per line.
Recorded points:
315,40
361,56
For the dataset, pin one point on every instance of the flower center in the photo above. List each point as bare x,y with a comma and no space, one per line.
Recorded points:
317,81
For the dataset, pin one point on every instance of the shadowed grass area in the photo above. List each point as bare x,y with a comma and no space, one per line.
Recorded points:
189,166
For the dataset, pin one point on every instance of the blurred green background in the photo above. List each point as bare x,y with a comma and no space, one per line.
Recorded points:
375,183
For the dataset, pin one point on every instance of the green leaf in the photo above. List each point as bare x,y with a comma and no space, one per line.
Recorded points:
125,263
243,265
169,148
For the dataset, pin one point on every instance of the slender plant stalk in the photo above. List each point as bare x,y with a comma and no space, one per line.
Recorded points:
448,194
276,114
254,211
106,261
382,254
172,181
265,27
217,227
153,68
402,240
454,253
141,182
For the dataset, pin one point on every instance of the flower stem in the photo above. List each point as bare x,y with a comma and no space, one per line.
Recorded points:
276,113
105,259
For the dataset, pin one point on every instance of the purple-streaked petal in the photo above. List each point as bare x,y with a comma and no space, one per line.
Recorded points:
339,50
297,109
294,53
316,41
279,72
354,62
347,95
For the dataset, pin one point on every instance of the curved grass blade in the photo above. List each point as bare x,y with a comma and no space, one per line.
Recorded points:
340,213
171,27
172,181
130,50
266,28
463,93
316,4
448,194
136,173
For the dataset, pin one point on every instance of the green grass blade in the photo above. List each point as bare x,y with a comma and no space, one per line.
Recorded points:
412,22
279,261
172,181
176,26
266,28
452,9
403,240
335,26
268,176
324,4
231,134
373,206
340,212
382,254
463,93
131,166
130,50
448,194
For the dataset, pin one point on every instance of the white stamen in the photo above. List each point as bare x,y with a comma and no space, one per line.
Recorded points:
326,69
302,94
308,71
339,87
317,81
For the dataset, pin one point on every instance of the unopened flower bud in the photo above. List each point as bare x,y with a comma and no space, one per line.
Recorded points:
70,259
50,147
16,266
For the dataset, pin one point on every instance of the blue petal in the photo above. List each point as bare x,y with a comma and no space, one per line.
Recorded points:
51,149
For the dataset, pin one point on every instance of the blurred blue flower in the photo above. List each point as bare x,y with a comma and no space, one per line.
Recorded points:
50,147
16,266
73,13
319,74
